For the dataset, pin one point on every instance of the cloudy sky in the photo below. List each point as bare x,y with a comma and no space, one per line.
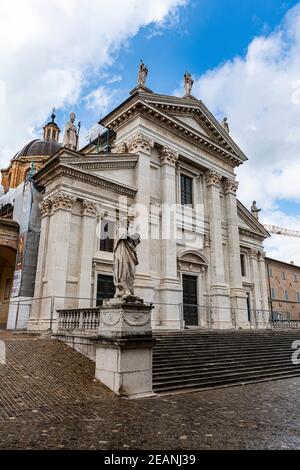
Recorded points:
83,55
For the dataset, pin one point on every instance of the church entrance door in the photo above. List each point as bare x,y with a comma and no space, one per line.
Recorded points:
190,300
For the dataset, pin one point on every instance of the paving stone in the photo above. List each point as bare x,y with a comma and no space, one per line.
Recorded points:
60,406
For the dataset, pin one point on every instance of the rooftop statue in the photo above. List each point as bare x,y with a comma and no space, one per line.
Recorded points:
142,74
71,135
225,125
255,210
188,83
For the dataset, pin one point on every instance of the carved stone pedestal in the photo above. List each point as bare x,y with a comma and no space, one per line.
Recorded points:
124,349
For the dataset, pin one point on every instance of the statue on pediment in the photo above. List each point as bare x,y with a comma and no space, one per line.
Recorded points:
71,135
142,74
225,125
254,210
125,259
188,83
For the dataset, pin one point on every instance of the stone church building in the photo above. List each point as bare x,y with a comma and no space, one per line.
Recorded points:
174,162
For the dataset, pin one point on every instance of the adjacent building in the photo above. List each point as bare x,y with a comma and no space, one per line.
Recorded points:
284,289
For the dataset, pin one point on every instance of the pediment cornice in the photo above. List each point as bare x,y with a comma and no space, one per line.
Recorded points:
162,113
62,168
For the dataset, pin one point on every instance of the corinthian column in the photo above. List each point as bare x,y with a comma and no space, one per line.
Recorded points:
41,305
88,234
218,290
237,293
170,292
263,286
58,246
141,144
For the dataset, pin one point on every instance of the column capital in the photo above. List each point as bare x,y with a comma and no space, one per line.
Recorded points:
230,186
212,178
253,254
168,155
88,208
121,147
63,201
45,207
139,142
261,256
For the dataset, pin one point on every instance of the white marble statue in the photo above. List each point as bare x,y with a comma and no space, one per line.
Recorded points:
142,75
254,210
125,259
71,135
188,83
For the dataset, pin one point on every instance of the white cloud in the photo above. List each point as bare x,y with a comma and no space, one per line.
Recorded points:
260,95
49,50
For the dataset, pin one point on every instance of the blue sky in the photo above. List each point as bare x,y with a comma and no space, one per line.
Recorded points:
203,35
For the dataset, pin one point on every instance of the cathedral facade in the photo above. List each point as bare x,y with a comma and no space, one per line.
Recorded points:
201,257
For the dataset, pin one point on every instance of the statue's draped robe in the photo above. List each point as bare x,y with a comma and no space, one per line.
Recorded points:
125,261
70,136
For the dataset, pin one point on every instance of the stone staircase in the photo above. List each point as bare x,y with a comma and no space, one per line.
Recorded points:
196,359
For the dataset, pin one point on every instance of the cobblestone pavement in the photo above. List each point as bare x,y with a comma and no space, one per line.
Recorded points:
50,400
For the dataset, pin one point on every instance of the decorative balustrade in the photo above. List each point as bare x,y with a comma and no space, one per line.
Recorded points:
277,324
86,320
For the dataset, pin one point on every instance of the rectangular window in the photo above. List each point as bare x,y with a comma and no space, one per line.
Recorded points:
105,288
186,185
270,272
298,296
283,276
107,236
273,293
286,295
243,265
295,278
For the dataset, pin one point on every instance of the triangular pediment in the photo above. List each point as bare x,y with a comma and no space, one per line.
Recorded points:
249,223
186,116
194,123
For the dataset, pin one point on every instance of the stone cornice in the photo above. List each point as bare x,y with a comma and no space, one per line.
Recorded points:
139,142
230,186
57,168
226,152
168,155
212,177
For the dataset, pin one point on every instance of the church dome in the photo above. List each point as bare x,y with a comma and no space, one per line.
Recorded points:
39,147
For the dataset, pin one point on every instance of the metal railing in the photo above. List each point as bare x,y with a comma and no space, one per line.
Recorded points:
81,314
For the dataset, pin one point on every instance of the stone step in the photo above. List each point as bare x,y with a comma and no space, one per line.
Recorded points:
209,384
203,372
189,360
217,366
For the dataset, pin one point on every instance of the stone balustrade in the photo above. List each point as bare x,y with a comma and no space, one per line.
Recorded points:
84,320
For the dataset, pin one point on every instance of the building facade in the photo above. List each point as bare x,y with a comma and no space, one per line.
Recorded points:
201,258
284,289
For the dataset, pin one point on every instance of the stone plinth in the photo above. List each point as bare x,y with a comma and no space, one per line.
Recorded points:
124,349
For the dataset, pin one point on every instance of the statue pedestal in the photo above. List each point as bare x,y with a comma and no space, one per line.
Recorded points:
124,349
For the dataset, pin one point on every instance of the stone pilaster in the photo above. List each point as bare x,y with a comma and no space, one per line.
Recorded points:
141,144
88,235
170,290
237,293
253,254
219,298
57,253
41,307
263,286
